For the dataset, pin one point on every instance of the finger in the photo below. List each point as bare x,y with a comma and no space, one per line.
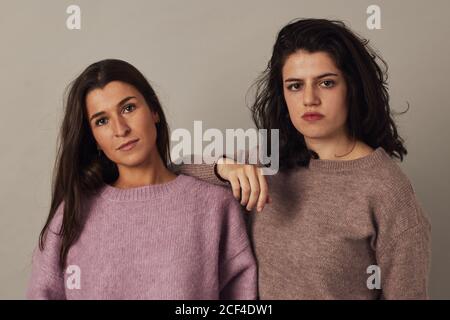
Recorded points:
264,193
245,188
254,187
235,187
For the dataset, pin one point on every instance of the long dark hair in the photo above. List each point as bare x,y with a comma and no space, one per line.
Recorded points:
369,116
80,170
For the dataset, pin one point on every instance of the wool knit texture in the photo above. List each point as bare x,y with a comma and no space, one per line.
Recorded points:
184,239
329,222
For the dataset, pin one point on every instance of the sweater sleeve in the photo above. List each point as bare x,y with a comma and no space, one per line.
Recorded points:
202,171
194,166
47,280
237,272
404,247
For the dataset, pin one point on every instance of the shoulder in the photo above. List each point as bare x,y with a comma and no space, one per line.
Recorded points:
395,202
204,189
387,179
215,201
216,207
57,219
59,216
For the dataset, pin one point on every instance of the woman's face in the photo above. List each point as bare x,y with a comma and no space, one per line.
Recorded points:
315,92
117,115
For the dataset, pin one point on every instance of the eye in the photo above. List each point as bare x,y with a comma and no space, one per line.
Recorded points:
128,108
328,83
100,122
294,86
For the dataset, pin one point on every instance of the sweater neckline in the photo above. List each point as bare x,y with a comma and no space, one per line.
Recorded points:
375,158
144,192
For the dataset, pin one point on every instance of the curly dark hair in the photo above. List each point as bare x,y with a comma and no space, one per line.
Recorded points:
369,115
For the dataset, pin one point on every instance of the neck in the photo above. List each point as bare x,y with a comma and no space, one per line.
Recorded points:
338,148
152,172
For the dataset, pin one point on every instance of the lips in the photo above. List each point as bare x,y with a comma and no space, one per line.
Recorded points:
128,145
312,116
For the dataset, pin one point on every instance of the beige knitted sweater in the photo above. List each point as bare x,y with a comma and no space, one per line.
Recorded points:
339,230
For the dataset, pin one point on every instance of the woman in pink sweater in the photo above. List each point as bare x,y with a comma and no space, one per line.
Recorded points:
121,224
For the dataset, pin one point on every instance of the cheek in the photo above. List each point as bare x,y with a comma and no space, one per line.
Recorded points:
146,127
339,109
294,106
100,137
151,133
292,102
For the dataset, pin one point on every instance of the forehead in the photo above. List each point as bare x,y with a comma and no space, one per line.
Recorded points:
303,64
109,95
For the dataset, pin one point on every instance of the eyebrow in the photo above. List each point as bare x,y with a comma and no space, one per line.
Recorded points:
121,102
318,77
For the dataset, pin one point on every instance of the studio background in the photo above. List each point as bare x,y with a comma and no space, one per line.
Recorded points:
202,57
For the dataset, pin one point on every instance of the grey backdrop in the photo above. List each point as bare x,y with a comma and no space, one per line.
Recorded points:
201,57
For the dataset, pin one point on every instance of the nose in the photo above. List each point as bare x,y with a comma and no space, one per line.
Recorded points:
310,97
120,127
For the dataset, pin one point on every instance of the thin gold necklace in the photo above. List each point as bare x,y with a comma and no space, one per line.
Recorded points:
353,148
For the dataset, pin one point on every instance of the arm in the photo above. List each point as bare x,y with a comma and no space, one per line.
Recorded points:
237,270
404,248
405,265
203,171
238,280
247,182
47,280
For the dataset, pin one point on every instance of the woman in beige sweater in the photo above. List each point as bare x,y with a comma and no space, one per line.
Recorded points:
343,220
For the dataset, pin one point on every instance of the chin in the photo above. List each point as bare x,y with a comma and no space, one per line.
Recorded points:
318,132
313,134
133,160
